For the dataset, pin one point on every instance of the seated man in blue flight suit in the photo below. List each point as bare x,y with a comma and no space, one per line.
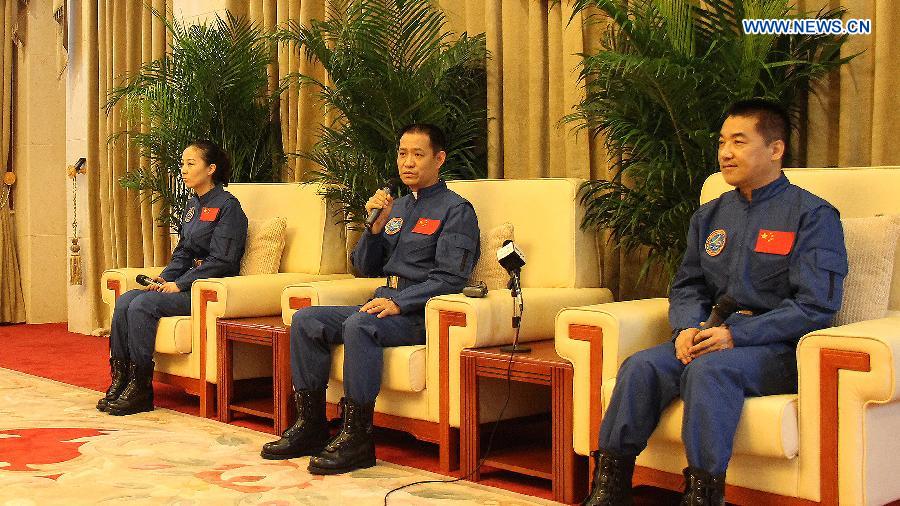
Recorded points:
774,248
426,243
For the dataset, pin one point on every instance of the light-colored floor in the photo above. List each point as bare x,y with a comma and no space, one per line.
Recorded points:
55,448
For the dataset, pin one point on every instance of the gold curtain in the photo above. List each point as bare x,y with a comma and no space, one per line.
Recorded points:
12,304
532,84
301,113
854,117
119,35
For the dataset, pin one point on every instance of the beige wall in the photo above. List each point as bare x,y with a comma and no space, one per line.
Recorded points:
40,194
78,318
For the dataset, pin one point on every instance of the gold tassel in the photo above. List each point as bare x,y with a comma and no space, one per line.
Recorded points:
75,277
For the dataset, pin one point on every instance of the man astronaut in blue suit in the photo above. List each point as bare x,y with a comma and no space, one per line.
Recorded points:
778,252
426,244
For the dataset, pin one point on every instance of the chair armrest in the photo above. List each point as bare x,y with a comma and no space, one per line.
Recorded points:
596,340
478,322
235,297
626,327
249,296
341,292
125,280
848,394
489,319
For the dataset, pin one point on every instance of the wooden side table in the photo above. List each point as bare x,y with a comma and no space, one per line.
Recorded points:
542,366
267,331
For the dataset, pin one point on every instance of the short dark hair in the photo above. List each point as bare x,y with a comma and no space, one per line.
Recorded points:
436,136
772,119
213,154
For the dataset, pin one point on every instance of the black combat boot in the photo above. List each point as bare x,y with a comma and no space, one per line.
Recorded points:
118,373
353,448
702,488
308,435
612,480
138,394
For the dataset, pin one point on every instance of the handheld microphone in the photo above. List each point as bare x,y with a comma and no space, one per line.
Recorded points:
391,188
147,281
725,306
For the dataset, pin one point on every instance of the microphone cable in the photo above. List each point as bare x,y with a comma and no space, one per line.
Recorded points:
520,306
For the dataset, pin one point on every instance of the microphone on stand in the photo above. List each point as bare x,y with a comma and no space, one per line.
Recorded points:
512,259
147,281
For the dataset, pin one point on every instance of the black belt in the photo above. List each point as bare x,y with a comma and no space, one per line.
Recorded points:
398,282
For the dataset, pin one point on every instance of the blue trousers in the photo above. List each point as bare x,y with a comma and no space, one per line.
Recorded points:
315,329
135,319
712,386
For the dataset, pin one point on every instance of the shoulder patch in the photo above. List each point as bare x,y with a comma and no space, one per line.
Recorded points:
393,225
715,242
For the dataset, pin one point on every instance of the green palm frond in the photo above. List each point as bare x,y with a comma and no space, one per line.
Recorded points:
390,63
656,92
211,84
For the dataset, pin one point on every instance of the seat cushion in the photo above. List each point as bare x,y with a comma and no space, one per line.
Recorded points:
404,367
173,336
767,428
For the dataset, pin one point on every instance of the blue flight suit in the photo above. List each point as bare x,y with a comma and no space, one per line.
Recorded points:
781,256
210,245
428,248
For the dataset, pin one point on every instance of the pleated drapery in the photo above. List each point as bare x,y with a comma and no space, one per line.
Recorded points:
119,35
301,113
12,303
531,86
853,118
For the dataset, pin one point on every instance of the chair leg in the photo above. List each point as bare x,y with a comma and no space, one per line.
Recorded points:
449,450
208,400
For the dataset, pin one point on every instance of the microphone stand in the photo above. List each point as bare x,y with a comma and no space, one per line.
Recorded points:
518,306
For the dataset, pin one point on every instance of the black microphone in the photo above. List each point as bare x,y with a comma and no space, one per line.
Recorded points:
724,307
147,281
511,257
391,188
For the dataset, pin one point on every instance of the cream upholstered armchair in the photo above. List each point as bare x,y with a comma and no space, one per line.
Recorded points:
314,248
835,442
420,391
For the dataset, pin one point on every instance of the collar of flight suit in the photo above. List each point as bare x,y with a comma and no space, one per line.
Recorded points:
766,192
206,197
434,189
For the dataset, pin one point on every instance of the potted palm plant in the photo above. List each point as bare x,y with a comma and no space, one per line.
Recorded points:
211,84
656,92
390,63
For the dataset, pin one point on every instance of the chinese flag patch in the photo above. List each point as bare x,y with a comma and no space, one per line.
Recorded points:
426,226
209,213
775,242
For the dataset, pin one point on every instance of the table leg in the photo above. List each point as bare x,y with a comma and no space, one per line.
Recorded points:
569,469
469,417
226,377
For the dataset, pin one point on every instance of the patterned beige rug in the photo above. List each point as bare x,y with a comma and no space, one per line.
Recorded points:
55,448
